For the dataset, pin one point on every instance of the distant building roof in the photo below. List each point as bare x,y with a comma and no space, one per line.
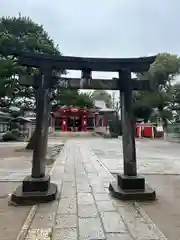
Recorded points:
22,119
99,104
102,106
5,115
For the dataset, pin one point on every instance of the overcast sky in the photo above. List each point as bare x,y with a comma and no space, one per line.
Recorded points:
105,28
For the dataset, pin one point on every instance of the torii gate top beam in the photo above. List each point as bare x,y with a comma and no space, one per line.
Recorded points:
73,83
137,65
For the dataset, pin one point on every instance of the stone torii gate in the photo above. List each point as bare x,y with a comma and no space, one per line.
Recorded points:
129,186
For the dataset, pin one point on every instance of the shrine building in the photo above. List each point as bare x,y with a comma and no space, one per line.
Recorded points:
76,119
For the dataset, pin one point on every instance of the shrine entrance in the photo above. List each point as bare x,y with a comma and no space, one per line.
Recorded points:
74,124
73,119
128,185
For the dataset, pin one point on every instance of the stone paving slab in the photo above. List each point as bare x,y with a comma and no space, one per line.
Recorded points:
16,168
11,218
165,212
84,210
153,156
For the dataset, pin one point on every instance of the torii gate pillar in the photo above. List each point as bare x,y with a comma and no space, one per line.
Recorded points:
37,188
129,186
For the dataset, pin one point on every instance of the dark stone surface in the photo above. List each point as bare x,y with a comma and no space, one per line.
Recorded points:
136,195
131,182
30,198
40,143
31,184
77,63
127,120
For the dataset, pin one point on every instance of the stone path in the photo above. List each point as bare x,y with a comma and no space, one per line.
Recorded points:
153,156
84,210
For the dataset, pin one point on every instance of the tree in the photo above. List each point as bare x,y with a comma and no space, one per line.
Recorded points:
142,111
20,34
71,97
84,100
161,75
102,95
175,104
23,34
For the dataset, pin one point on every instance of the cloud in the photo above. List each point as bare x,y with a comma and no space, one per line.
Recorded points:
116,28
105,28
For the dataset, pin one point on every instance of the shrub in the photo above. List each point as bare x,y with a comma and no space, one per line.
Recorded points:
13,135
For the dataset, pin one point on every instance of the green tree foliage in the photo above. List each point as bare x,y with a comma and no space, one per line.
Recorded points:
84,100
142,111
175,103
20,34
23,34
161,75
71,97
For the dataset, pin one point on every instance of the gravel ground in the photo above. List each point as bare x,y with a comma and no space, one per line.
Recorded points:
13,160
165,212
11,218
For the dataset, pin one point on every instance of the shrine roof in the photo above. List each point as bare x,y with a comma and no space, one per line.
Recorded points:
5,115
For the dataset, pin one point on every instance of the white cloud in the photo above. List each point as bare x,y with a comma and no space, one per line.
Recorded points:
103,28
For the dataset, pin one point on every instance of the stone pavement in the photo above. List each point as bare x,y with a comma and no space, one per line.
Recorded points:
15,164
153,156
84,210
159,161
15,169
11,218
165,212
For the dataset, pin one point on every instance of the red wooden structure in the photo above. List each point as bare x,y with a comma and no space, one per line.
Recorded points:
145,130
74,119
